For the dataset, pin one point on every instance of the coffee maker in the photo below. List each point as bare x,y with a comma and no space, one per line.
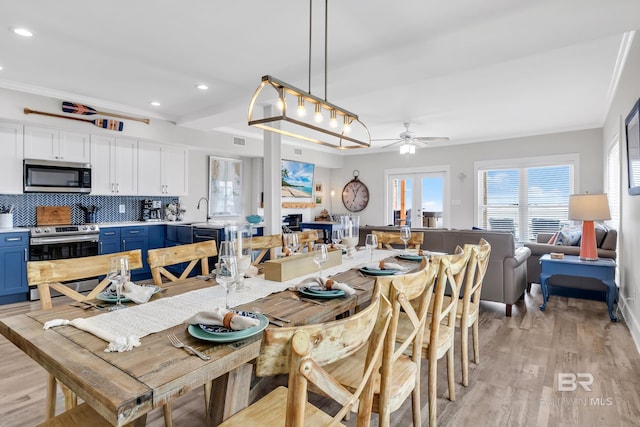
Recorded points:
151,210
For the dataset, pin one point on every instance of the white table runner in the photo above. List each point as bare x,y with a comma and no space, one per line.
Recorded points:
133,323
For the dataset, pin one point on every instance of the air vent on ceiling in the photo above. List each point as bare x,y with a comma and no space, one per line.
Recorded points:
297,151
239,141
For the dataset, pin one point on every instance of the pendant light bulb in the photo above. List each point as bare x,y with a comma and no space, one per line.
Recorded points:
346,128
317,116
301,110
333,122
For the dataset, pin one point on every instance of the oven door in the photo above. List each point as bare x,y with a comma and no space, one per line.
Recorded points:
52,248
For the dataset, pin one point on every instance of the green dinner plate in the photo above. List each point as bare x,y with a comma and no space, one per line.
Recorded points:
409,257
197,332
333,293
378,272
106,296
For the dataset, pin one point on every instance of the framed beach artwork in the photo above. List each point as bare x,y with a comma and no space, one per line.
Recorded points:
297,179
225,187
632,126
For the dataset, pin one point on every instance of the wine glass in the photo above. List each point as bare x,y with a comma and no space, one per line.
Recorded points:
227,275
291,241
405,235
320,257
336,236
371,242
118,275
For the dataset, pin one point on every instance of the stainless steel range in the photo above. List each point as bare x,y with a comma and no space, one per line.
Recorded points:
62,242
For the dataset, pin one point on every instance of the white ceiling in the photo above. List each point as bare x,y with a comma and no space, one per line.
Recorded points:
467,69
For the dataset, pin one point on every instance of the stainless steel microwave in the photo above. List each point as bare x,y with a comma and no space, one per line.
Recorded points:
48,176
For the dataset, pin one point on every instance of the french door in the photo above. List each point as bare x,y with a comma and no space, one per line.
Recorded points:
417,199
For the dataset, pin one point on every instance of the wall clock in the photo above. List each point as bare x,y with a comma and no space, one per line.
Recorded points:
355,195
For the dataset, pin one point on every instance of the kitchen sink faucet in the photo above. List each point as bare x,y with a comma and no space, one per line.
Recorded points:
198,206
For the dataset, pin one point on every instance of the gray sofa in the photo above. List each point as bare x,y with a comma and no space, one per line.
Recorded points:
506,278
606,242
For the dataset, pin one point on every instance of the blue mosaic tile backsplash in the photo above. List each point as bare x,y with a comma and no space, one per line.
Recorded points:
24,211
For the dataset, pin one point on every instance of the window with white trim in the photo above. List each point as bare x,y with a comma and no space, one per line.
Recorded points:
525,199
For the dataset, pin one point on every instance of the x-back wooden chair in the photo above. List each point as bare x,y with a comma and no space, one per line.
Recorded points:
266,245
388,238
467,316
439,333
193,253
302,352
399,374
49,275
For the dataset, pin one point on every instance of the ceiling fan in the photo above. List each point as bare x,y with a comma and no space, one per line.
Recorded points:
408,140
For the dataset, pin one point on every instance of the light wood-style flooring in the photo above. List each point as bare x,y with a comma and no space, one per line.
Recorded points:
515,384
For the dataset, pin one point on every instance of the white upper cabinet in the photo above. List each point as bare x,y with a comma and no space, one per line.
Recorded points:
11,141
55,144
162,169
114,164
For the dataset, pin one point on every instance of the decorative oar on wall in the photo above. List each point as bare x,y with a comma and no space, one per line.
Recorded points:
85,110
101,123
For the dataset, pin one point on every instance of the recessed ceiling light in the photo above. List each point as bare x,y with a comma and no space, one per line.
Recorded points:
155,103
23,32
0,67
202,87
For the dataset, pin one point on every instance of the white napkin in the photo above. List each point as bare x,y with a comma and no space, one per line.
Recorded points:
323,282
387,266
116,343
136,293
251,272
216,316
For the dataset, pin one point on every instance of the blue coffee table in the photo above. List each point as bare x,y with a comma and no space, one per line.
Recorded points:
603,269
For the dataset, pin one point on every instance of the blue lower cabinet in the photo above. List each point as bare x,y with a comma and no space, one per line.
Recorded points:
13,259
119,239
137,238
109,242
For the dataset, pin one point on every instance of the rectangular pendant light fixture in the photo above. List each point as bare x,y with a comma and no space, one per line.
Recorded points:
325,123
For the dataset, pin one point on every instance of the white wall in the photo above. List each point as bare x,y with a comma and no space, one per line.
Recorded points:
626,95
461,158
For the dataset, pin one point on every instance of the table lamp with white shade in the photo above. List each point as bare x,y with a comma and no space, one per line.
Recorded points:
588,208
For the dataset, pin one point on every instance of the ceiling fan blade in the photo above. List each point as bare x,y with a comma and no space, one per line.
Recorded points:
385,139
395,143
432,139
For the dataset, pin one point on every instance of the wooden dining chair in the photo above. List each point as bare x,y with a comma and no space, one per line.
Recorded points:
388,238
302,352
161,258
307,238
398,375
467,315
49,275
266,245
439,333
193,253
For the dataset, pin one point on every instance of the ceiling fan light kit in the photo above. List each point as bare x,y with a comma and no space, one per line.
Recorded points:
300,125
409,141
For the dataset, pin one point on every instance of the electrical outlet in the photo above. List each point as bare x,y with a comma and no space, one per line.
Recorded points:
122,209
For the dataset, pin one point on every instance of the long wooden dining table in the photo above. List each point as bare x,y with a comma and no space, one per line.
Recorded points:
123,387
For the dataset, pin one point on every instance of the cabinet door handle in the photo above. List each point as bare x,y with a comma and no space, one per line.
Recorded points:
113,187
124,245
134,232
100,248
109,233
117,187
13,239
26,255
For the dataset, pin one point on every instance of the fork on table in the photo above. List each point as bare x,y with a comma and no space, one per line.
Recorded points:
177,343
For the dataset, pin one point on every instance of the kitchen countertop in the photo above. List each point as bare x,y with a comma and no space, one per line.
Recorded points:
14,230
